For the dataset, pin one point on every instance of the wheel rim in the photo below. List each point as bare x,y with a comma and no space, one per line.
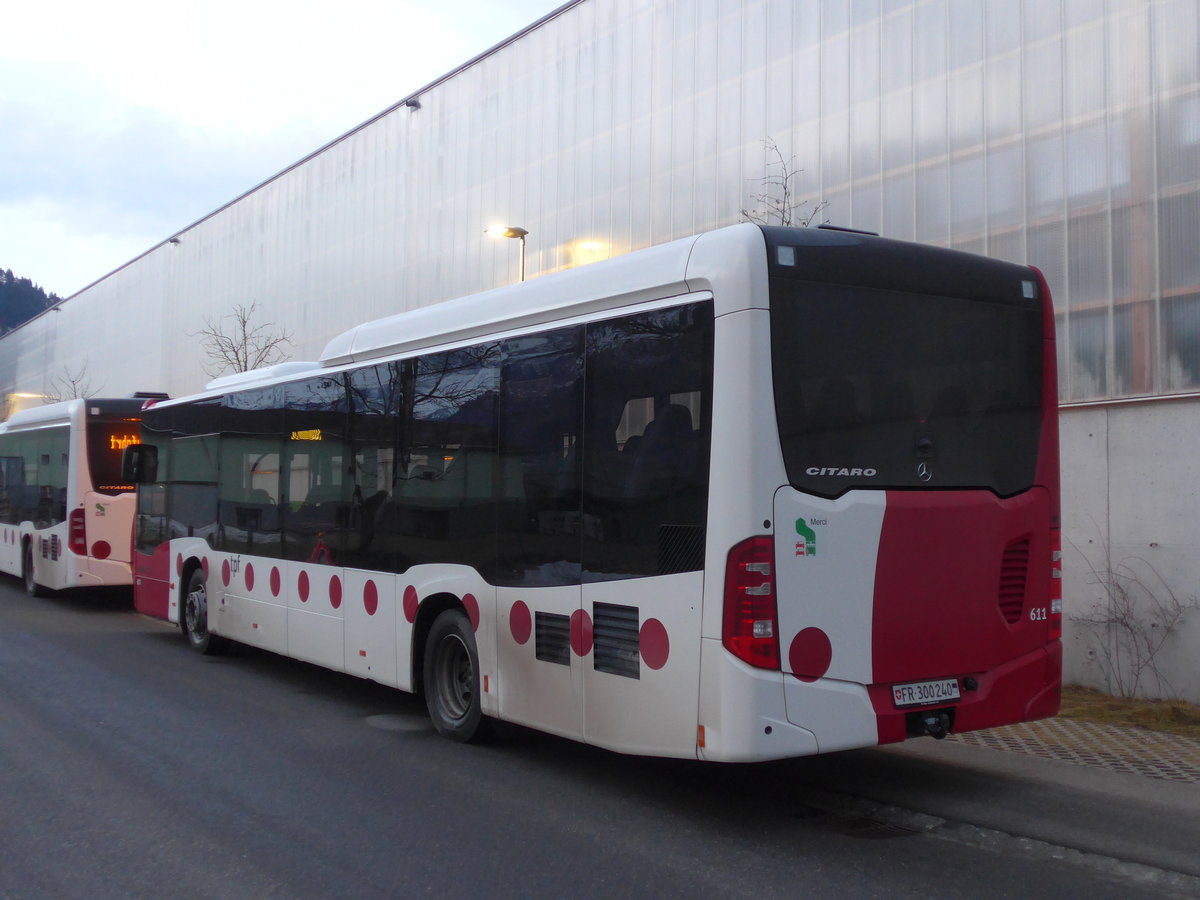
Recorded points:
195,612
455,676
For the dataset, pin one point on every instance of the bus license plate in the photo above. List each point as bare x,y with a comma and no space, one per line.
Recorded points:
922,693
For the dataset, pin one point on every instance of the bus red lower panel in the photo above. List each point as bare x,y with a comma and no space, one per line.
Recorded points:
962,591
152,582
1021,690
961,585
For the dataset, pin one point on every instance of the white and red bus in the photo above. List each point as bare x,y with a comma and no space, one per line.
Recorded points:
755,494
66,517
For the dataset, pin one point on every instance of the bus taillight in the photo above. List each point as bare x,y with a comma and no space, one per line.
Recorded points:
77,533
1055,617
751,623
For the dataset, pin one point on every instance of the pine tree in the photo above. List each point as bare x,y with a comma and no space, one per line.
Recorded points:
20,300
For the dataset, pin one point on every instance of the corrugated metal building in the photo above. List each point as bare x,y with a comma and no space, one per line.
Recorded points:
1064,133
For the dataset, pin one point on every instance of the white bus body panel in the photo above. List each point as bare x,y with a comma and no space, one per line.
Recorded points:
825,553
654,713
315,627
107,521
369,608
536,692
743,711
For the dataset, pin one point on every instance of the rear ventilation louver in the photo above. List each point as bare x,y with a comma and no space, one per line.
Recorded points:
615,640
552,638
1014,573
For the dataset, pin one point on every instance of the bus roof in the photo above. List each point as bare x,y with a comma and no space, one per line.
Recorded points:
66,411
643,275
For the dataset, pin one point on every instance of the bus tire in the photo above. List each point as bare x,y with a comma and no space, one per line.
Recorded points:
452,678
193,618
32,588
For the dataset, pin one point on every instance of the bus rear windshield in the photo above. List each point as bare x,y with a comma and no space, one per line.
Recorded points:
878,388
107,441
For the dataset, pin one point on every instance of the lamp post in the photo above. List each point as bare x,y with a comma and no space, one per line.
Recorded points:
511,231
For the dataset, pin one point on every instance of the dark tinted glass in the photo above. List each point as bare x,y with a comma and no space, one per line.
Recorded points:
112,425
49,449
443,493
877,388
541,412
646,443
317,501
18,477
377,402
106,442
250,513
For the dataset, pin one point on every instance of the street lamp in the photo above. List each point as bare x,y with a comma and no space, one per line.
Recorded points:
511,231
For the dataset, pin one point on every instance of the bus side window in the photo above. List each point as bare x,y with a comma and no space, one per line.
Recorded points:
646,443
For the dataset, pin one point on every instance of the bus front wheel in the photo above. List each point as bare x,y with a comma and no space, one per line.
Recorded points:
32,588
194,620
452,678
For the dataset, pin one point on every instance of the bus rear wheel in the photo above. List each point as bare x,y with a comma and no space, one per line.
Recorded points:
193,620
452,678
32,588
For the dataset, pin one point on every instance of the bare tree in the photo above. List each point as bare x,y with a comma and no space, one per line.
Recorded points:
776,204
1136,616
69,385
241,345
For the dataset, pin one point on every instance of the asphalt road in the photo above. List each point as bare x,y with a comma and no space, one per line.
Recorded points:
132,767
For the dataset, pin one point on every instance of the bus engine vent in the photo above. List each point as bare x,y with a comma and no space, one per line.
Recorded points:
1014,571
615,636
552,638
680,549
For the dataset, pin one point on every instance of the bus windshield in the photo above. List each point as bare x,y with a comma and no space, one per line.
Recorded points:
877,388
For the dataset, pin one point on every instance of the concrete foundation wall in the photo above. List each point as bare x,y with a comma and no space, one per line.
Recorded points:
1131,547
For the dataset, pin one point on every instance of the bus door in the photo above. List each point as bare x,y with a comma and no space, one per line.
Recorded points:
152,552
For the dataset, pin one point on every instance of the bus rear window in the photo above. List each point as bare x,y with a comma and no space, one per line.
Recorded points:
106,444
887,389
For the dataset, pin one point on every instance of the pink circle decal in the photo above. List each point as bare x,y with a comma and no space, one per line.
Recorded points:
302,586
410,604
225,572
471,605
654,643
520,623
370,598
249,577
101,549
581,633
276,581
810,654
179,564
335,592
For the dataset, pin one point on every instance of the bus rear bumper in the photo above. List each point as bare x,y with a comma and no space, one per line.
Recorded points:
743,712
102,573
1020,690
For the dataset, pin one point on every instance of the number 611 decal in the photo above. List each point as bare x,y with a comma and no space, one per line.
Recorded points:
1037,614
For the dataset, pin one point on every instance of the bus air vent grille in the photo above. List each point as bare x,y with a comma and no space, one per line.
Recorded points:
680,549
615,636
552,638
1014,572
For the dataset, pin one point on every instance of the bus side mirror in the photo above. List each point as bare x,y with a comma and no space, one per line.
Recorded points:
139,464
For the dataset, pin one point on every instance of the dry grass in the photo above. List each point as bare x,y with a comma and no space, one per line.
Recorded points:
1171,716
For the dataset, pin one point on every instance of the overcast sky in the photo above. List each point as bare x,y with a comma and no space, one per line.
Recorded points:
122,122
